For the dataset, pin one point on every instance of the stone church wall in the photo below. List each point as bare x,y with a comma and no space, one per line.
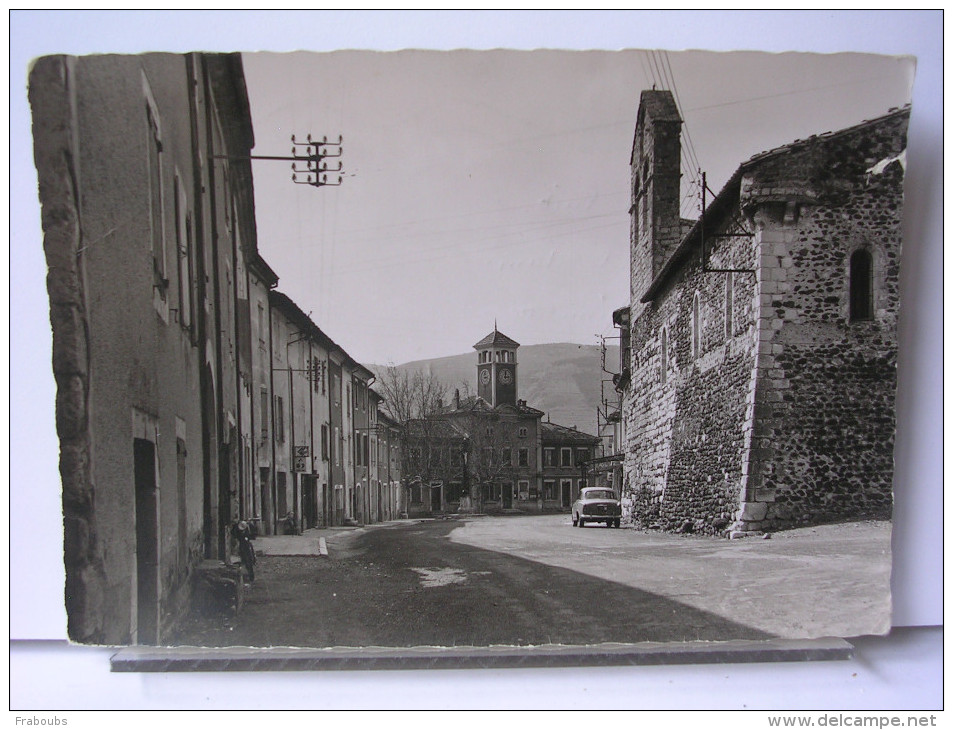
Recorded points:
826,384
688,437
778,407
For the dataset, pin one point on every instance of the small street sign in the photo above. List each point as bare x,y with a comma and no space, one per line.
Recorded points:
302,452
301,463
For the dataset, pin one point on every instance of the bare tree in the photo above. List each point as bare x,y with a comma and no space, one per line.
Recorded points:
491,445
413,398
465,442
410,394
491,458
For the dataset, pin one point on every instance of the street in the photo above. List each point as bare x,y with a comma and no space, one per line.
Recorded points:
525,580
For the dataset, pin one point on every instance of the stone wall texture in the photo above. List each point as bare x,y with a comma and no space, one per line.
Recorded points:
769,407
55,151
126,364
826,384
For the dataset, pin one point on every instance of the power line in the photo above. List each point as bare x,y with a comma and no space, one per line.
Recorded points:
784,93
522,232
654,61
660,71
681,111
645,67
480,213
453,250
501,229
689,144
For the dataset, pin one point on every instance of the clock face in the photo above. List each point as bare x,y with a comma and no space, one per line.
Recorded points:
485,377
506,377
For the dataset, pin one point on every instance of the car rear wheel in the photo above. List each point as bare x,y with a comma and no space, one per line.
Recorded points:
617,523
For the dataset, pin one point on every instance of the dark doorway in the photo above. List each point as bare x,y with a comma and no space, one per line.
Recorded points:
436,498
209,465
567,493
267,508
147,542
325,506
305,502
180,503
508,496
228,465
313,501
309,501
282,495
861,286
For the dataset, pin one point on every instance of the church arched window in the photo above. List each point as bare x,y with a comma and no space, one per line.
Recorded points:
696,325
729,305
861,285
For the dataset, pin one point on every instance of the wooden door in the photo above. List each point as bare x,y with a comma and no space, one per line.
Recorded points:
147,542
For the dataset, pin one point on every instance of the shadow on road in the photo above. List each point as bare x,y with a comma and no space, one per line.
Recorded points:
379,589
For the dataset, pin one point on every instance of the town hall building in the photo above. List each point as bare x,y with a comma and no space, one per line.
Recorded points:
493,451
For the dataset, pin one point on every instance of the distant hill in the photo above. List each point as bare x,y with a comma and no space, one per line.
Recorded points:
562,379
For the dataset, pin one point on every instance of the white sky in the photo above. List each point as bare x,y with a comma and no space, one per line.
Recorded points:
494,185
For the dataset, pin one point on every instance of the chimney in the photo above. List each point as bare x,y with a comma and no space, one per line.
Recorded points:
655,163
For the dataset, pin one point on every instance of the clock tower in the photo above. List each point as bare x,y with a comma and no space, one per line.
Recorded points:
496,368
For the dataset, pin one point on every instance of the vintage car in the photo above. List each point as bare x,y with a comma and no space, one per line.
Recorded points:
596,504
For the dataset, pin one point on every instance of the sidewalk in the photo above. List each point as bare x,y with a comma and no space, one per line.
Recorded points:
313,541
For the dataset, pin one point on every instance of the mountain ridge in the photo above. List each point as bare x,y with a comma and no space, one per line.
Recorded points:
562,379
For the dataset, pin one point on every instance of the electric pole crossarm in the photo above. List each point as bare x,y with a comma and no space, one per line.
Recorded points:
706,269
315,171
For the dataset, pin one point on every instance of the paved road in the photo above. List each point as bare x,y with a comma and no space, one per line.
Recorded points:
423,584
828,580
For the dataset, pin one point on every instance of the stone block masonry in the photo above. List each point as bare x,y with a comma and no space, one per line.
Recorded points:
687,440
831,379
763,379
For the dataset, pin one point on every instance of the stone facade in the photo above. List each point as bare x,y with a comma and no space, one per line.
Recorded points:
567,453
763,378
138,236
183,379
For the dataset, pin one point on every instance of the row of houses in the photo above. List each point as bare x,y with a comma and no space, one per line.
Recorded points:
325,454
190,392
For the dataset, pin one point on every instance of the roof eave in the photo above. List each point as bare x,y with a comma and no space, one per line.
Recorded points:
260,268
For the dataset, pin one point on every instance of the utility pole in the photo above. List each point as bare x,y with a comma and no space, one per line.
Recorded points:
308,165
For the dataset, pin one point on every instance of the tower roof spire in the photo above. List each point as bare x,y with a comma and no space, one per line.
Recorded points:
496,339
